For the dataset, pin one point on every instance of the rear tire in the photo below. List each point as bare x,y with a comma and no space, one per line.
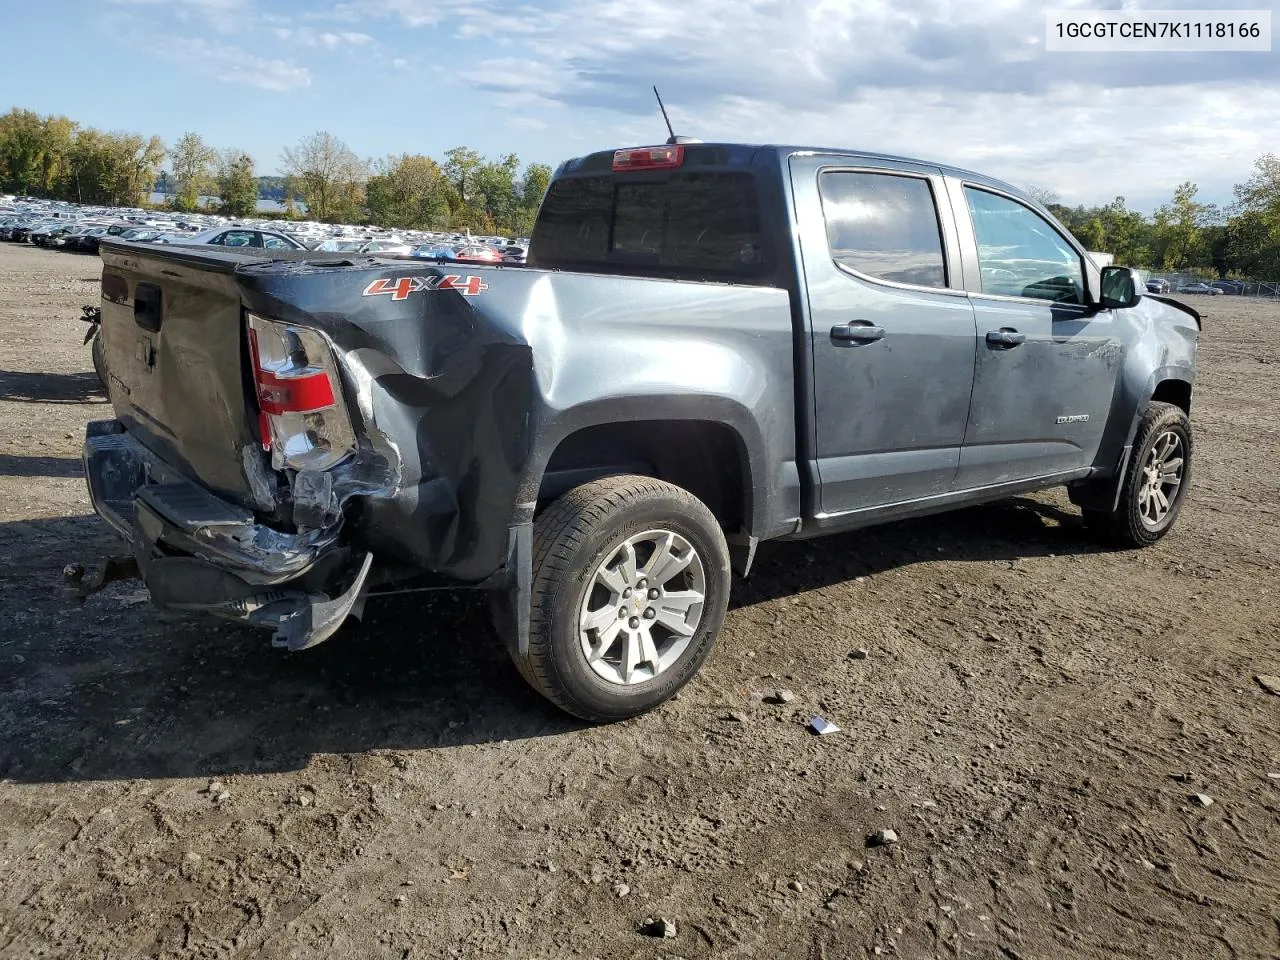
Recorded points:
99,361
630,585
1155,481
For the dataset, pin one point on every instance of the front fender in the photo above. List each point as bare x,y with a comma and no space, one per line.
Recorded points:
1161,347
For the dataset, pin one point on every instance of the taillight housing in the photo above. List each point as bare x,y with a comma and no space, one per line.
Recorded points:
302,415
648,158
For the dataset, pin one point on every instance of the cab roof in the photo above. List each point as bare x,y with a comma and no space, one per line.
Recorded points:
747,154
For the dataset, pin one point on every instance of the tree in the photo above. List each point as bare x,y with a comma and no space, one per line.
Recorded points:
1178,242
112,168
1092,235
1252,235
533,187
237,185
193,170
136,160
1261,192
408,191
1253,244
328,174
496,191
1217,242
460,165
290,188
1125,234
1043,195
22,146
35,153
59,135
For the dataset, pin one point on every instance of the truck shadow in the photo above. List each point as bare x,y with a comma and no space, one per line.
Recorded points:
13,465
109,688
1004,531
20,387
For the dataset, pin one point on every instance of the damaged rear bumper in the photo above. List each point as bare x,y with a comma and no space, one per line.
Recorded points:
196,551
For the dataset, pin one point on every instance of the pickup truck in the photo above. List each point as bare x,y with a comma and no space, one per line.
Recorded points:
711,346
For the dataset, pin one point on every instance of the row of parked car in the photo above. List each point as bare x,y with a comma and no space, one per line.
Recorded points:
71,227
1213,288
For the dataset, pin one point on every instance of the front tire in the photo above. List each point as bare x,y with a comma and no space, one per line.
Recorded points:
630,585
1155,482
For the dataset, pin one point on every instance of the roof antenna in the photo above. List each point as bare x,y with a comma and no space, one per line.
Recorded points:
672,138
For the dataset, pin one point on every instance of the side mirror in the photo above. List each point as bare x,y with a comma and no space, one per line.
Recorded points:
1119,288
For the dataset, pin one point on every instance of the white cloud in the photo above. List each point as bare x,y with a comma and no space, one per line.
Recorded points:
949,80
414,13
232,64
1184,134
307,37
225,16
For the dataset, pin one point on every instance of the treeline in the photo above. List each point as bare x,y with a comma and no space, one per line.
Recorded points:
57,158
1187,235
464,190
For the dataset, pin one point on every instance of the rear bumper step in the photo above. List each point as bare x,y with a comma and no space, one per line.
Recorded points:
197,551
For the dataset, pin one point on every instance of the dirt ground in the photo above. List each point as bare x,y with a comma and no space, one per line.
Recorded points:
1032,717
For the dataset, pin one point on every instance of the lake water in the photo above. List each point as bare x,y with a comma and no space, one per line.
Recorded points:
264,206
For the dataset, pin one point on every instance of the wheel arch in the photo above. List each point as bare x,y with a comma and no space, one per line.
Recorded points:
1172,384
706,457
1173,390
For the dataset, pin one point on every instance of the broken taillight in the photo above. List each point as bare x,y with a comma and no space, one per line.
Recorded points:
301,413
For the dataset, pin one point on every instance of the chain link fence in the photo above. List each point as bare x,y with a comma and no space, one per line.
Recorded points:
1189,283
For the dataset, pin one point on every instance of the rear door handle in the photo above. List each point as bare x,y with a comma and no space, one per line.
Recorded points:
860,331
1005,337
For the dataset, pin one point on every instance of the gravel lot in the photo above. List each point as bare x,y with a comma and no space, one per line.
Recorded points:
1032,718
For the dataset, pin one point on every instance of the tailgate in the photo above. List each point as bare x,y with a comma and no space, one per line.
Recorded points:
174,343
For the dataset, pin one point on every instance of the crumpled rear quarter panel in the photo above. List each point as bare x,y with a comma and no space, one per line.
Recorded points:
473,392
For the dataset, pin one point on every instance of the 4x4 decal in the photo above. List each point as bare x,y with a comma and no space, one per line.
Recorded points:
401,287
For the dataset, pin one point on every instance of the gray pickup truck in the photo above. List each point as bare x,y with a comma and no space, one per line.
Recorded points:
712,345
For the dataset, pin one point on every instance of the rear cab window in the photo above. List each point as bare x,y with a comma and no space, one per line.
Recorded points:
685,223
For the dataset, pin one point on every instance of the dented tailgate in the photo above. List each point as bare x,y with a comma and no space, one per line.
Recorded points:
174,342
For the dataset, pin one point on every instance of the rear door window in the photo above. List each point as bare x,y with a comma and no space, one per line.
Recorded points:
235,238
883,226
690,224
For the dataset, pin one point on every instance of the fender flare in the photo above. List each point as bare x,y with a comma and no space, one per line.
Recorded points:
1104,493
1158,376
707,408
725,411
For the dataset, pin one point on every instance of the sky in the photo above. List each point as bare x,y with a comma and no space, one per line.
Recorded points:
967,83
